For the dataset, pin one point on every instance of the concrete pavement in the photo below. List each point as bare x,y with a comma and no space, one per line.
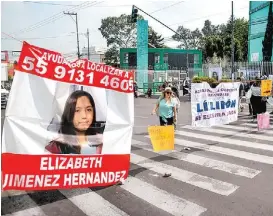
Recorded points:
227,171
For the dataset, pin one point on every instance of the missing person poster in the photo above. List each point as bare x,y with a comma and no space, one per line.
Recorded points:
214,106
67,125
216,73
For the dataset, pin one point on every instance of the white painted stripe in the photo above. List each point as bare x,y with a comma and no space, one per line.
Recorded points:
14,193
192,178
250,117
232,133
254,124
226,151
250,121
244,116
30,211
144,117
98,207
162,199
245,126
137,142
207,162
228,141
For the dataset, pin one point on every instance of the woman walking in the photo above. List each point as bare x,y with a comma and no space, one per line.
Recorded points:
166,108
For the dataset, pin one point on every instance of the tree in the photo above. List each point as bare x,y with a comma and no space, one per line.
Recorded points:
119,31
209,29
267,42
154,39
111,56
209,47
188,39
213,46
240,34
228,48
217,40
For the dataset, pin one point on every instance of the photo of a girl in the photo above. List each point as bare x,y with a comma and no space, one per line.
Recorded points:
78,129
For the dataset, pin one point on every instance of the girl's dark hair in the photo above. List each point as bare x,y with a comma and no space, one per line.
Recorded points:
67,126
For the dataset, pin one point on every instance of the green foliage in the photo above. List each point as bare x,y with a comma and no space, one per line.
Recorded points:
225,80
154,39
216,39
119,32
209,80
111,56
188,39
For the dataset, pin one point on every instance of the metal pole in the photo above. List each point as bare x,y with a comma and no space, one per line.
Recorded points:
78,43
157,20
232,43
78,36
88,52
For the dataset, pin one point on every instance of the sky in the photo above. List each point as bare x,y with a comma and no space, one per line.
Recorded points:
42,23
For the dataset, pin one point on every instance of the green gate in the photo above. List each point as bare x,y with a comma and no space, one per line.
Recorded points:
153,86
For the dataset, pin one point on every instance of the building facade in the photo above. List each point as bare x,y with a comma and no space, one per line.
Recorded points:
164,63
95,56
258,16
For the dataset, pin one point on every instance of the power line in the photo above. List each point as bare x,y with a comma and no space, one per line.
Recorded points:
11,37
42,38
49,3
166,7
46,20
114,6
72,18
62,15
55,17
207,16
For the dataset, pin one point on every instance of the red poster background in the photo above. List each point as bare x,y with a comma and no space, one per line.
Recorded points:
38,54
22,164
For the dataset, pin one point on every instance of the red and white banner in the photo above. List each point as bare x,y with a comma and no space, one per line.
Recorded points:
52,65
67,125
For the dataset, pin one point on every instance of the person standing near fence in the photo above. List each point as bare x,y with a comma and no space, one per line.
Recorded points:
177,106
258,102
166,108
247,88
241,93
135,90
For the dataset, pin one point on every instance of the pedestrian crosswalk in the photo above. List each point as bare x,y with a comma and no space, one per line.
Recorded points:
220,163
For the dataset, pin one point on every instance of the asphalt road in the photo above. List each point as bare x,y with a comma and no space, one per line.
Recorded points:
228,171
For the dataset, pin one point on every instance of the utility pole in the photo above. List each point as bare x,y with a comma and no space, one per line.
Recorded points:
78,43
232,43
88,51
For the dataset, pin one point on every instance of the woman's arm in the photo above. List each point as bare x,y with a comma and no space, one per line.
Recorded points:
156,108
157,105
